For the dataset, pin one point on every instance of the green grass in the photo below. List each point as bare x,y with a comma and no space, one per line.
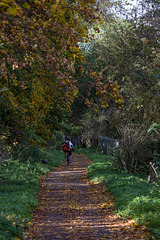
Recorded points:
19,184
134,197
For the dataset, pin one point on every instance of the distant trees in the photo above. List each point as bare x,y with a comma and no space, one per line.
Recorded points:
126,53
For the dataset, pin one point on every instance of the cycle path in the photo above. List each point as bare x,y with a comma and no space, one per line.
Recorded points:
71,207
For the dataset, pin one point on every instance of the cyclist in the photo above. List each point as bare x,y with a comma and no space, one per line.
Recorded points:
67,147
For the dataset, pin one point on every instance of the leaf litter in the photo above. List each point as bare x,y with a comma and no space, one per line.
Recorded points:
71,207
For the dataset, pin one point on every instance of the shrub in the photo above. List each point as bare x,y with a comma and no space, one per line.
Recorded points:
136,151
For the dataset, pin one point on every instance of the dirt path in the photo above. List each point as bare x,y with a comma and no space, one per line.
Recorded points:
73,208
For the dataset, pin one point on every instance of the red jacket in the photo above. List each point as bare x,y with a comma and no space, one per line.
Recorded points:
66,148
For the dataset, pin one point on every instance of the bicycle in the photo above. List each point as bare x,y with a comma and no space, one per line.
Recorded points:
68,158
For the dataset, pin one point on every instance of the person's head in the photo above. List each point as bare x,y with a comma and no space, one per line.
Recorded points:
67,139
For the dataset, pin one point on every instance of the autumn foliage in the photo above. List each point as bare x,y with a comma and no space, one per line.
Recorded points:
39,56
40,62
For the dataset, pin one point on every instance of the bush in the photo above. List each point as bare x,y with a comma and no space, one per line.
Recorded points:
28,153
136,151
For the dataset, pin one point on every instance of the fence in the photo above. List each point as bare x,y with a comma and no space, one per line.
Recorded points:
107,144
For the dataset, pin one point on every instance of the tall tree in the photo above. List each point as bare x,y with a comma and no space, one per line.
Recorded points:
39,57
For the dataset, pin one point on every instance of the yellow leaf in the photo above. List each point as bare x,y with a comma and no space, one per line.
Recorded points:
26,5
12,10
5,22
14,224
4,4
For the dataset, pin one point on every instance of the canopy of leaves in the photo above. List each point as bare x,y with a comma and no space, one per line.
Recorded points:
39,58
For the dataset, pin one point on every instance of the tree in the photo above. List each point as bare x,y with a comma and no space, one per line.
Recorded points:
126,53
39,58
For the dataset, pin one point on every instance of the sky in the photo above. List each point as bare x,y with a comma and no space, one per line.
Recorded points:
133,4
125,12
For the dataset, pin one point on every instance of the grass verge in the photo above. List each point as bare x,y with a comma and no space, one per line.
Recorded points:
19,184
134,197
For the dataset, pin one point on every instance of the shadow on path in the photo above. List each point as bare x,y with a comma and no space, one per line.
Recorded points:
70,207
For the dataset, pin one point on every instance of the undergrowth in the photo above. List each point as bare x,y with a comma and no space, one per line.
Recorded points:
134,197
19,184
